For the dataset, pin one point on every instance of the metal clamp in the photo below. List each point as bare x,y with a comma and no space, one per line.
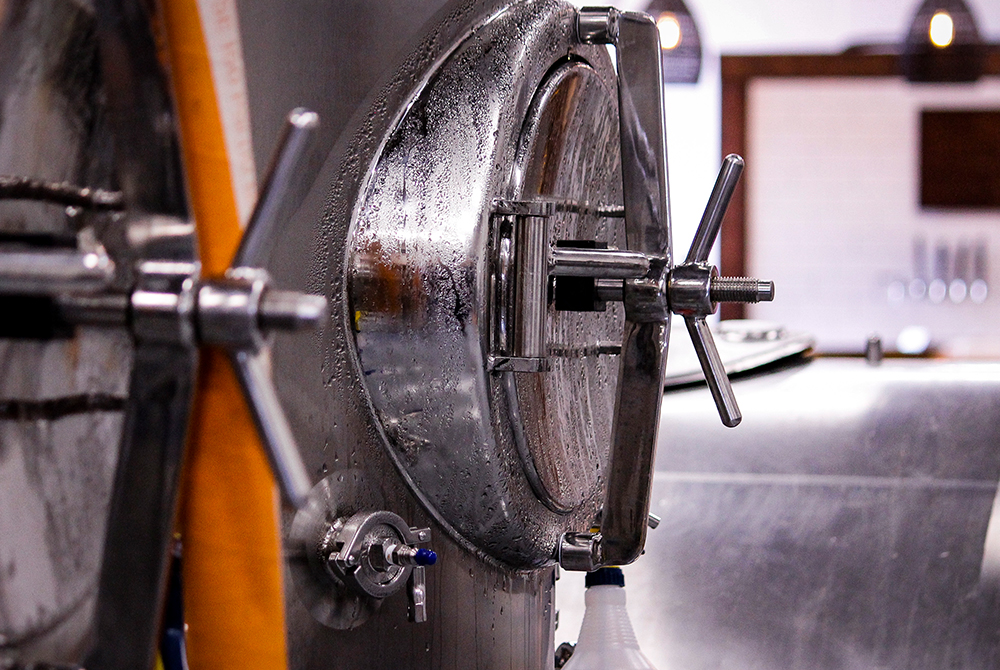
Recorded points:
373,554
651,289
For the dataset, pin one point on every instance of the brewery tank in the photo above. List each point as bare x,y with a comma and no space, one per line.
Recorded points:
488,222
420,397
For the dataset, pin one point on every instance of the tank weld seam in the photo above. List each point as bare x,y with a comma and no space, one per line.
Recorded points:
60,193
52,409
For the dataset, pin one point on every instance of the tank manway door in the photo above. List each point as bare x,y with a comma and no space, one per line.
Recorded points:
510,284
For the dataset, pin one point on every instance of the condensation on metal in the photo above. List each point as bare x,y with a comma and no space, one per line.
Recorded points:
419,273
569,149
56,470
474,601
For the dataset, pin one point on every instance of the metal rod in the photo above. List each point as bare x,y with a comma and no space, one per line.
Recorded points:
597,25
282,190
291,311
531,299
59,193
111,310
598,263
715,210
254,372
715,371
610,290
54,271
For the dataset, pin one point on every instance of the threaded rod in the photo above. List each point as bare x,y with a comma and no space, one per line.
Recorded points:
740,289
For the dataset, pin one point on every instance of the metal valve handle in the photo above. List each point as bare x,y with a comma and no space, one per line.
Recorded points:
280,194
695,289
282,191
170,303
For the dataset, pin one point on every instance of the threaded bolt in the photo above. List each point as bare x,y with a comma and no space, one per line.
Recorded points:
740,289
291,310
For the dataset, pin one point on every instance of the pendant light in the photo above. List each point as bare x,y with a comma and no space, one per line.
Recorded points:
680,44
943,44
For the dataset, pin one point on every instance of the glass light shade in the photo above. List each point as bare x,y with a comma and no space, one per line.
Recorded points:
943,43
680,44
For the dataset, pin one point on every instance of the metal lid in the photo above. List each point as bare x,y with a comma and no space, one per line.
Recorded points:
568,150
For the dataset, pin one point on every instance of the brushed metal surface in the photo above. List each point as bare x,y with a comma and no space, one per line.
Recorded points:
843,525
93,423
56,468
480,614
137,101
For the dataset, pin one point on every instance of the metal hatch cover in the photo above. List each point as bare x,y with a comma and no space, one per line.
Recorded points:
561,419
517,110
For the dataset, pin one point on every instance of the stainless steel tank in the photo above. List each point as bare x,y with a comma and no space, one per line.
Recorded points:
494,244
79,401
397,399
105,307
490,227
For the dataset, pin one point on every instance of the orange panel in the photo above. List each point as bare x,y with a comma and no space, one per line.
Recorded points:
229,511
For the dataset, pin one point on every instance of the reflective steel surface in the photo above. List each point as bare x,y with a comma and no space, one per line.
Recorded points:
148,170
507,115
57,463
478,612
647,325
560,420
95,423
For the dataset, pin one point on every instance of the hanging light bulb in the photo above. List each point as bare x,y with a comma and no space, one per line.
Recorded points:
942,30
943,43
670,30
680,44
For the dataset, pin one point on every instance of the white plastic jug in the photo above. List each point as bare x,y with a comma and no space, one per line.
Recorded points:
607,640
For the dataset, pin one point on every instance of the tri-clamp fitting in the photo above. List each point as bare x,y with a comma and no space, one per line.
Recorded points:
374,554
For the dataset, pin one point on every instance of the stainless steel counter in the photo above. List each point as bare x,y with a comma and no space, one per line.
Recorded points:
841,526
